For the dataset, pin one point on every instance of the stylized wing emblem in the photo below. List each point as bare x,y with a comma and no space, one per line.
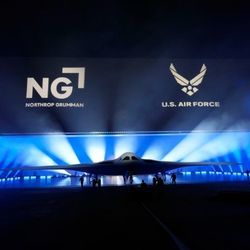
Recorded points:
189,87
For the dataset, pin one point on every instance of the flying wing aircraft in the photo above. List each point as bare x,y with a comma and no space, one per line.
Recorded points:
127,165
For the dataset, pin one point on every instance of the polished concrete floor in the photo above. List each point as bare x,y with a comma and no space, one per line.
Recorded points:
214,215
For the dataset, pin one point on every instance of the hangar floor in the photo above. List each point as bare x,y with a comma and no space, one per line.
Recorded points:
198,215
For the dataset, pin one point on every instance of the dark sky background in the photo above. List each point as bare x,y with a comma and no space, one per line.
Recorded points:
172,29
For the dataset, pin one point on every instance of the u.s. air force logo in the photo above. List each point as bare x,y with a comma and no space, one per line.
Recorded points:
189,87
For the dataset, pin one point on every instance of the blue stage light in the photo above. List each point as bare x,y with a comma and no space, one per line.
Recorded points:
125,143
95,147
190,143
59,146
59,149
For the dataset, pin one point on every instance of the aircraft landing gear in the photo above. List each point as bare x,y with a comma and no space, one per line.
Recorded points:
128,178
131,179
124,179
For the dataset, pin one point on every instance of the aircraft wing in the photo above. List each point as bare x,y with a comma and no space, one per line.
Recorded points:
137,167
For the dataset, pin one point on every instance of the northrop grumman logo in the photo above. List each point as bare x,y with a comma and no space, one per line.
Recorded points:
60,83
189,86
60,88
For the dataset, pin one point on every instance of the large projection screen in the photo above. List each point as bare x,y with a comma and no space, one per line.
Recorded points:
111,95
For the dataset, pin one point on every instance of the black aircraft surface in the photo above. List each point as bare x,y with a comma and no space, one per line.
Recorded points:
127,165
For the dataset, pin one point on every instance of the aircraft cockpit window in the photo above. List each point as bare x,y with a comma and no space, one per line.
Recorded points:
133,158
126,158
